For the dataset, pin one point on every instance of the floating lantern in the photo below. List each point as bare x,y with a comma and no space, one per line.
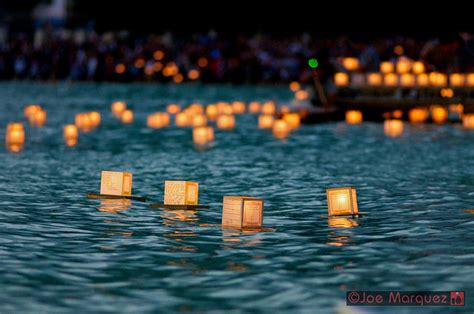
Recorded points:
196,108
269,108
203,135
418,67
38,119
439,114
254,107
83,122
397,114
470,79
353,116
181,193
15,134
238,107
393,128
182,119
280,129
301,95
173,108
293,119
224,108
403,65
407,80
390,79
386,67
127,116
30,110
418,115
422,80
374,79
265,121
242,212
284,109
295,86
116,183
158,120
342,201
226,122
438,79
468,121
70,134
95,118
118,107
193,74
457,79
199,120
341,79
456,108
211,112
447,93
351,64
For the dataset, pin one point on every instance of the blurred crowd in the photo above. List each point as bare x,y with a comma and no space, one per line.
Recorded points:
52,53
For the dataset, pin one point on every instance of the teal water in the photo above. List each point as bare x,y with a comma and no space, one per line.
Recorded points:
61,252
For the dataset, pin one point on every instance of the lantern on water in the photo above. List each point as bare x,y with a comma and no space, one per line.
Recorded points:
438,79
269,108
83,122
353,116
38,119
224,108
351,64
457,79
30,110
238,107
418,115
393,127
199,120
386,67
456,108
407,80
293,119
15,133
181,193
295,86
203,135
95,118
173,108
211,112
468,121
439,114
254,107
470,79
242,212
418,67
422,80
390,79
301,95
118,107
374,79
70,134
447,92
265,121
127,117
403,65
226,122
341,79
280,129
196,108
158,120
116,183
342,201
182,119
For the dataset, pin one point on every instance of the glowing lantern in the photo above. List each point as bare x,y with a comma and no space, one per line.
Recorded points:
118,107
470,79
447,93
226,122
295,86
39,118
173,108
181,193
374,79
265,121
211,112
301,95
182,119
199,120
95,118
15,136
342,201
158,120
284,109
83,122
224,108
403,65
193,74
422,80
341,79
127,116
468,121
438,79
196,108
386,67
397,114
390,79
351,64
254,107
407,80
293,120
418,67
418,115
269,108
439,114
242,212
238,107
353,117
456,108
70,132
393,128
457,79
116,183
203,135
30,110
280,129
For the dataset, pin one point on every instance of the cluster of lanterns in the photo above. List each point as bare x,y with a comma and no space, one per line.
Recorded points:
35,115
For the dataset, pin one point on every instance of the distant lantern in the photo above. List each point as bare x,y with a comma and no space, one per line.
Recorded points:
422,80
374,79
265,121
438,79
293,119
127,116
386,67
301,95
269,108
95,118
226,122
199,120
118,107
407,80
254,107
447,93
397,114
211,112
457,79
83,122
295,86
173,108
470,79
238,107
181,193
468,121
439,114
241,212
350,64
39,118
353,116
418,115
342,201
280,129
393,127
203,135
158,120
30,110
182,119
456,108
70,132
116,183
284,109
418,67
15,134
390,79
224,108
403,65
196,108
341,79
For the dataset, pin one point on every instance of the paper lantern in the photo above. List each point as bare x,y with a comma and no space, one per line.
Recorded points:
182,119
127,117
393,128
386,67
196,109
418,67
181,193
295,86
38,119
439,114
158,120
265,121
15,133
293,119
95,118
447,93
173,108
468,121
422,80
83,122
342,201
374,79
456,108
407,80
418,115
116,183
70,132
30,110
351,64
353,116
403,65
397,114
118,107
390,79
280,129
301,95
203,135
438,79
238,107
224,108
341,79
199,120
240,212
226,122
212,112
457,79
470,79
254,107
269,108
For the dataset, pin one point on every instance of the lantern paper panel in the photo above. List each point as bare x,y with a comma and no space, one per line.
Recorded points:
181,193
116,183
242,212
342,201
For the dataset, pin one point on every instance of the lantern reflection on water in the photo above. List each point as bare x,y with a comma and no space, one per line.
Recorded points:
265,121
439,114
470,79
342,222
393,127
114,205
353,116
342,201
83,122
226,122
280,129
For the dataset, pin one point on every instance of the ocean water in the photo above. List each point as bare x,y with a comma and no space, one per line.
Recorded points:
62,252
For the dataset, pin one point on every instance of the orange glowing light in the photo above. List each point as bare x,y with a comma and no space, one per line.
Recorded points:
342,201
457,79
70,132
157,66
447,93
470,79
353,117
393,128
15,134
83,122
295,86
158,55
280,129
456,108
127,117
418,67
293,119
468,121
196,108
438,79
254,107
301,95
398,49
39,118
224,108
265,121
351,64
418,115
199,120
139,63
193,74
386,67
269,108
95,118
120,68
158,120
30,111
118,107
178,78
341,79
203,135
238,107
182,119
202,62
173,108
407,80
211,112
374,79
397,114
422,80
226,122
439,114
284,109
390,79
